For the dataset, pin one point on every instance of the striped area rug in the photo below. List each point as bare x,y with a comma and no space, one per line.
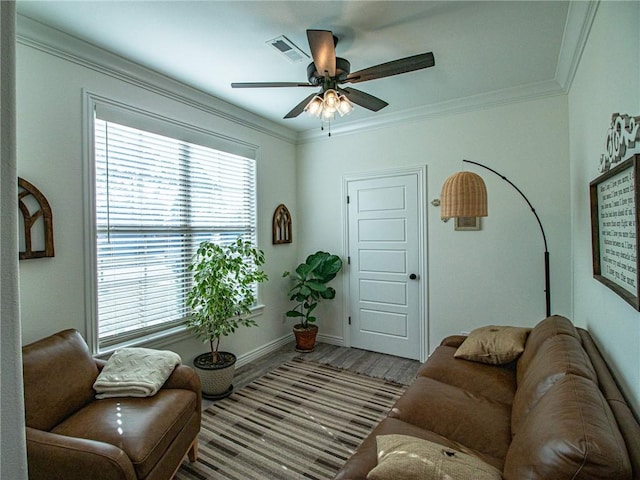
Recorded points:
302,420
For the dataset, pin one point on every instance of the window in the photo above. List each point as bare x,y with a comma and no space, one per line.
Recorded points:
156,199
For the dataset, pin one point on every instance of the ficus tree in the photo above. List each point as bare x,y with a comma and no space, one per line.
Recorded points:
223,291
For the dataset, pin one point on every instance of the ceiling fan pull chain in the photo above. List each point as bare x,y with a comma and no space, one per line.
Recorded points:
328,126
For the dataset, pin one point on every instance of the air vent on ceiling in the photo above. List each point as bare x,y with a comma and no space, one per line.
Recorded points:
287,48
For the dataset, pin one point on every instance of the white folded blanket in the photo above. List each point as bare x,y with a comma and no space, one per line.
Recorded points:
135,372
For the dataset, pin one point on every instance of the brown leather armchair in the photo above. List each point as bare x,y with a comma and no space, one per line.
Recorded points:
73,436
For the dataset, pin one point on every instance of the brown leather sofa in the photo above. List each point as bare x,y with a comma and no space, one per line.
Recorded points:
73,436
555,413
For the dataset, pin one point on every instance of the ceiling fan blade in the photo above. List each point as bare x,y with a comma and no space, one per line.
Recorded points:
364,99
323,51
298,109
270,84
395,67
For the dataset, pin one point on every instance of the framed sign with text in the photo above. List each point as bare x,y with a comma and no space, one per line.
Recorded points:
614,229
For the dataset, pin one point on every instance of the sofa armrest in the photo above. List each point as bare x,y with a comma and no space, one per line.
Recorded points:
58,457
453,341
185,377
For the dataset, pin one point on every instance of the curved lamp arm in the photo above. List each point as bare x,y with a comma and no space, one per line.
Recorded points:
547,290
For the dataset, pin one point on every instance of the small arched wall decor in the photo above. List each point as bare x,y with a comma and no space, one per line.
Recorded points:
37,220
282,225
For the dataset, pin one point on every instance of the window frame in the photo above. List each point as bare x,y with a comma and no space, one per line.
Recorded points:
187,132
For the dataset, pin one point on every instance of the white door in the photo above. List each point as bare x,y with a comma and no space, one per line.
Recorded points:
386,281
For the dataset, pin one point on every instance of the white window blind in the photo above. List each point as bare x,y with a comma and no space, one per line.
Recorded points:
157,198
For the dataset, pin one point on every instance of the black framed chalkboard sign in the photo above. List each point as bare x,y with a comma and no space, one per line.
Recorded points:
614,229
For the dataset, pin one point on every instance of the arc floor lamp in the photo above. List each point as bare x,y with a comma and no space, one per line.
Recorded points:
464,194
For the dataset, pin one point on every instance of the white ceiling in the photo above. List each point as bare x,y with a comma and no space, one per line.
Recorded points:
482,49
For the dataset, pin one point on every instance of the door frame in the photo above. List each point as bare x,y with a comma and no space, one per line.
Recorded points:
422,269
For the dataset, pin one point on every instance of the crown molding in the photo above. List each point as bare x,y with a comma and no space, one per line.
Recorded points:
580,16
59,44
576,32
481,101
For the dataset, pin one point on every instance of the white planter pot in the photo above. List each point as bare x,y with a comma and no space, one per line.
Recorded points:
216,379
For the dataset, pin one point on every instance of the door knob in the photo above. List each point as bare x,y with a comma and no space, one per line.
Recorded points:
413,276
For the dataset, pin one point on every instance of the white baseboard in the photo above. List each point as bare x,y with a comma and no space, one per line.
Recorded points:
331,339
263,350
280,342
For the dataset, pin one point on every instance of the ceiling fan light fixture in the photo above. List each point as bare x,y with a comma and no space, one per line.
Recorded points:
328,114
344,106
314,107
331,100
328,104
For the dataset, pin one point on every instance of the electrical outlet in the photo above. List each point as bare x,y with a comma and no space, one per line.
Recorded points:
464,333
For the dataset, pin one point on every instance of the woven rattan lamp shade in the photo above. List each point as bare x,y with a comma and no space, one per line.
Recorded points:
464,194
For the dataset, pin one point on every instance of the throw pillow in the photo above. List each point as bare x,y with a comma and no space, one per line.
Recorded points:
493,344
401,457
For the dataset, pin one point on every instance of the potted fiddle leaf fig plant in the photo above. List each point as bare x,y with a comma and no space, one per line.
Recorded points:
220,300
310,281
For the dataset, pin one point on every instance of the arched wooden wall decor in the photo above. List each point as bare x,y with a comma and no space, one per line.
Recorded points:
34,207
282,225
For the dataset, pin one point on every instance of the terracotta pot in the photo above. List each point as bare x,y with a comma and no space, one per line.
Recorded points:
305,337
215,378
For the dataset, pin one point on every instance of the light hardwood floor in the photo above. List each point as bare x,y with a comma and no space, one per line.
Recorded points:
380,365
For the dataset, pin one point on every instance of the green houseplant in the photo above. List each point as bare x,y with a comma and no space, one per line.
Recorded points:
310,281
220,301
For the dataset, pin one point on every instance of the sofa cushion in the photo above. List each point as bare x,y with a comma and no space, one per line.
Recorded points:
493,344
58,373
558,356
142,427
402,457
547,328
365,457
475,421
495,382
570,433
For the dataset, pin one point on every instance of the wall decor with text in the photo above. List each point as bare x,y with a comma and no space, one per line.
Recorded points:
614,229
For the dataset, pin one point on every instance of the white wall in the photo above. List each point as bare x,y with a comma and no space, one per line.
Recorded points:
474,278
607,81
50,155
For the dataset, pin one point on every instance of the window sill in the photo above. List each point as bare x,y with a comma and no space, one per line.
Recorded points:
164,338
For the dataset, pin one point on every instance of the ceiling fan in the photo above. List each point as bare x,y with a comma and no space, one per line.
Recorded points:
329,72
